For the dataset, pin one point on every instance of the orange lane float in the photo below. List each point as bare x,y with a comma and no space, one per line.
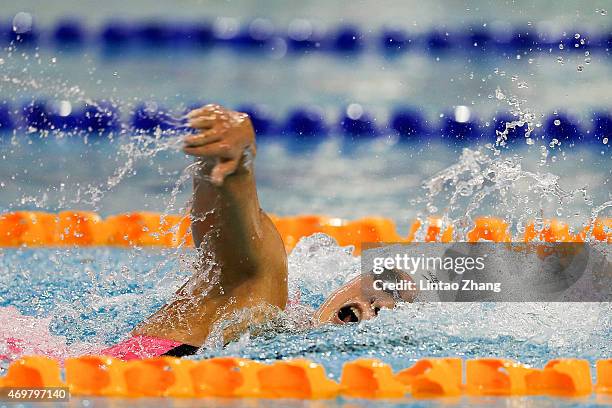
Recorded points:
604,377
500,377
29,228
225,377
158,377
433,233
33,371
433,377
370,378
489,229
177,229
300,378
551,231
138,229
83,228
291,229
566,378
370,229
601,230
95,375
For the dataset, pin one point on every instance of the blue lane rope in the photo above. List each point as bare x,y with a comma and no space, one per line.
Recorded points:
310,122
306,36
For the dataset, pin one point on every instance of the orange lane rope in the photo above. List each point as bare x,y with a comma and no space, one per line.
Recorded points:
83,228
304,379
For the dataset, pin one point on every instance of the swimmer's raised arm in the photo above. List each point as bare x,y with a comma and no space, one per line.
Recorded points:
230,229
225,211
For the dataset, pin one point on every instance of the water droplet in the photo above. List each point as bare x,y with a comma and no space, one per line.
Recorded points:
22,22
462,114
560,60
580,68
576,36
64,108
605,140
561,46
354,111
601,12
557,122
278,48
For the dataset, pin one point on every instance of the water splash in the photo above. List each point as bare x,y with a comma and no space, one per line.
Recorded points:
318,266
137,147
483,182
28,76
524,117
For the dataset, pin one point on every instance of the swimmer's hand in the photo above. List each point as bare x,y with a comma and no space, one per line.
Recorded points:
225,136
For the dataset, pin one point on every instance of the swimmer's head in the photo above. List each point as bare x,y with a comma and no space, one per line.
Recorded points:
360,299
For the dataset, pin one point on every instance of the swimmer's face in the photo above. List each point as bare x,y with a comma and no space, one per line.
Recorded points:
358,300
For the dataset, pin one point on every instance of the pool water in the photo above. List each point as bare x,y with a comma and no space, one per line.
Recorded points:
92,297
66,302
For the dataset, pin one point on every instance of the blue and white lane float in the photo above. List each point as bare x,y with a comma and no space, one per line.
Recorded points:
302,35
457,125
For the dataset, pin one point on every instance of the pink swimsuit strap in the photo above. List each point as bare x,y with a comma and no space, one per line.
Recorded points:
138,347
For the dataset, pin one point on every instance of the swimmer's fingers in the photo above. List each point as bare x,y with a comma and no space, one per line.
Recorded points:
205,121
195,113
202,139
219,149
205,117
223,169
211,110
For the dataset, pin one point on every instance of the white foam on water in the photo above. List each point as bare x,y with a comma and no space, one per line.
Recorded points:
25,335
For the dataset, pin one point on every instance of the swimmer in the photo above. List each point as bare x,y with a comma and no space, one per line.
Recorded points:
235,236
